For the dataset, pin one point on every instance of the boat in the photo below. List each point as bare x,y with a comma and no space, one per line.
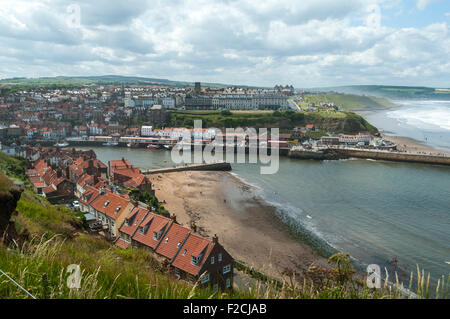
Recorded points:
132,145
167,147
61,144
110,144
153,147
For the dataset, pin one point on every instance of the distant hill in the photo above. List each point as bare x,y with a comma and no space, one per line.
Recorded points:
392,92
350,102
103,79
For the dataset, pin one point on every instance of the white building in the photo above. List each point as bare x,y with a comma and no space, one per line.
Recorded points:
168,102
355,139
146,130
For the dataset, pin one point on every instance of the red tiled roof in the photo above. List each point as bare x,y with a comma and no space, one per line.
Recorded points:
49,189
89,195
193,246
114,202
156,223
117,164
85,179
122,244
172,240
135,217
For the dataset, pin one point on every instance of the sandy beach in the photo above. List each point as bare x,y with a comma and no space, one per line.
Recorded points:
247,227
413,146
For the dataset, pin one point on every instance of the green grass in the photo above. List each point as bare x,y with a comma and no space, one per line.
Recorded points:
13,167
57,240
106,272
349,102
345,122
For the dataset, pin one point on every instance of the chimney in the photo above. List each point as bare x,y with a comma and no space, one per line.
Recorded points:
174,218
215,239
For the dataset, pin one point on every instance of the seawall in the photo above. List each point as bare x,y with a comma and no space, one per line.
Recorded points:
336,154
397,156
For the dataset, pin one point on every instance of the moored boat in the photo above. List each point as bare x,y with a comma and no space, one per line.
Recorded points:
153,147
61,144
110,144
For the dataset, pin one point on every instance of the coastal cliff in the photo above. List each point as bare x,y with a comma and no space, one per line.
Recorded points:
9,196
347,122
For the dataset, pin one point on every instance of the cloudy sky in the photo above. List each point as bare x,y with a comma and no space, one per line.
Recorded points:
307,43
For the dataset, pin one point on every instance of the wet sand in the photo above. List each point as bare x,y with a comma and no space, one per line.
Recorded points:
413,146
247,227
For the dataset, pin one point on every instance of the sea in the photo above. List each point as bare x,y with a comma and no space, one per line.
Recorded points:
426,121
379,212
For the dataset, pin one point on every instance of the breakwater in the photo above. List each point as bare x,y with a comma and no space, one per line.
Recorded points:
220,166
345,153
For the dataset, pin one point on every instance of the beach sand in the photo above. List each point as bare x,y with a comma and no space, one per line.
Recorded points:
413,146
247,227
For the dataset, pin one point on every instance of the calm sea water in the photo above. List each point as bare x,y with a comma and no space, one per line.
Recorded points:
373,210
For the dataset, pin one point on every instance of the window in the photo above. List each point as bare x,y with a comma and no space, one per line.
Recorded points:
106,203
205,278
194,260
220,257
228,283
184,252
166,240
117,209
127,222
178,245
157,235
212,260
226,269
142,230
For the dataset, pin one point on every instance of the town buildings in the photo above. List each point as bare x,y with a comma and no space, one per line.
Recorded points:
191,257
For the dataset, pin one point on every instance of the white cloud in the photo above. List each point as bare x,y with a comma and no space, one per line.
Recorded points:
423,4
307,43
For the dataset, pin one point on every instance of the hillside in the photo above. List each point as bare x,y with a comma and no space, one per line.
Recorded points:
75,81
48,238
393,92
350,102
54,238
346,122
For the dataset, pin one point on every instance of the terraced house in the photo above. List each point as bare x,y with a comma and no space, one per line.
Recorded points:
110,209
123,173
191,256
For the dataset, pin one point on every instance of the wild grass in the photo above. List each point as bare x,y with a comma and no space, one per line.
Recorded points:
57,240
106,272
341,282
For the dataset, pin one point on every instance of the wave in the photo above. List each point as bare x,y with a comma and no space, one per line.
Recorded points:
424,115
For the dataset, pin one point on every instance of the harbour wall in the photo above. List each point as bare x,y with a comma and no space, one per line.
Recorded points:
336,154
